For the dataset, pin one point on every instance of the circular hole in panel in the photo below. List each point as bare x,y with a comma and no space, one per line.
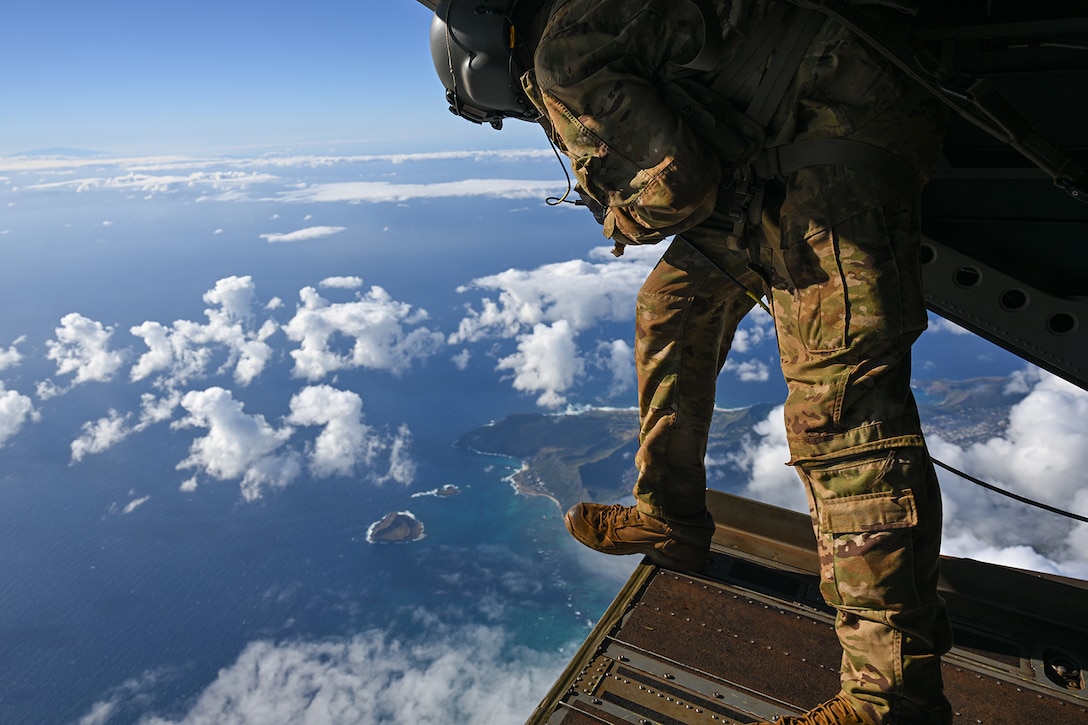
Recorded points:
967,277
1061,324
1014,299
927,254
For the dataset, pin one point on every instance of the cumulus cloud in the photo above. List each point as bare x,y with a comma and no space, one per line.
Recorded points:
237,445
1042,454
15,410
186,349
528,305
748,371
471,674
546,309
11,357
763,459
618,358
346,441
102,434
81,349
384,334
546,362
302,235
341,282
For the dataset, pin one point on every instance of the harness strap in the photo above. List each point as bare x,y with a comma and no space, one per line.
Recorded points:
754,53
784,160
798,31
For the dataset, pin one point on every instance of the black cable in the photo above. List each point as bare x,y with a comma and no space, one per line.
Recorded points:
1016,497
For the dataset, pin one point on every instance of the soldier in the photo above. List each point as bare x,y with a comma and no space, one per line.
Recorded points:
785,159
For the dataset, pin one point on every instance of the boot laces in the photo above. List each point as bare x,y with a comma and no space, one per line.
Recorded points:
835,711
619,514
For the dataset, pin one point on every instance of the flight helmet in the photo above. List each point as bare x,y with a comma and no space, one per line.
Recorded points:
473,47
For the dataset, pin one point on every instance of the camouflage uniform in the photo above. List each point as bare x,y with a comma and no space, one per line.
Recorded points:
839,250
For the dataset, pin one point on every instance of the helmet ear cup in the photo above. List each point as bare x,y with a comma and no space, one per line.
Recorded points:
470,47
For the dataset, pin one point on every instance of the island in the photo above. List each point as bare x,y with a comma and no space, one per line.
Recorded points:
447,490
397,527
589,455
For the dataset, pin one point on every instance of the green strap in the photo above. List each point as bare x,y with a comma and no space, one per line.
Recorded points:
784,160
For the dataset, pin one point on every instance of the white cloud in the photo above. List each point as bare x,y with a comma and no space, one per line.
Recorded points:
385,334
764,459
135,504
106,432
82,351
748,371
617,357
383,191
754,330
11,357
1042,454
346,440
186,349
302,235
402,467
228,184
577,291
179,163
341,282
237,446
546,309
467,675
582,294
940,324
460,360
546,362
101,435
15,410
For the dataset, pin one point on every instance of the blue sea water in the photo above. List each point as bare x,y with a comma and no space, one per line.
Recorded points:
122,596
117,587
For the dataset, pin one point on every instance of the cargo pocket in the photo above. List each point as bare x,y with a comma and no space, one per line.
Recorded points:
870,542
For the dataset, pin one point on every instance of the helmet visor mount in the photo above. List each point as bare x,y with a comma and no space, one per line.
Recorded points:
473,53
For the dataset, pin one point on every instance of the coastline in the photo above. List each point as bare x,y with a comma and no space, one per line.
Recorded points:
523,488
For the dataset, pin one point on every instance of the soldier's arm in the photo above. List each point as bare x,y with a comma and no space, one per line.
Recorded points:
627,147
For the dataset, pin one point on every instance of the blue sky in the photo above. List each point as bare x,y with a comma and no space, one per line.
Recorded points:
213,77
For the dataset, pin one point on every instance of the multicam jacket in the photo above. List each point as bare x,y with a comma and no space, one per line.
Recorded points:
600,76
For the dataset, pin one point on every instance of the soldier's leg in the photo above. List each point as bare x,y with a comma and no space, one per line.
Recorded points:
848,305
687,313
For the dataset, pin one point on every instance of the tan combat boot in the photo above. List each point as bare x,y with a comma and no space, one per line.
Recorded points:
836,711
616,529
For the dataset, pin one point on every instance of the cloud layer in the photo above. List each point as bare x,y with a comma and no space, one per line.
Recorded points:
471,674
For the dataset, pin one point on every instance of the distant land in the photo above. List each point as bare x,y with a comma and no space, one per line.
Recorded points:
589,455
62,153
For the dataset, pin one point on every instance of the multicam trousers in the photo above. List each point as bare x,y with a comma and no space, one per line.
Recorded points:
838,251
